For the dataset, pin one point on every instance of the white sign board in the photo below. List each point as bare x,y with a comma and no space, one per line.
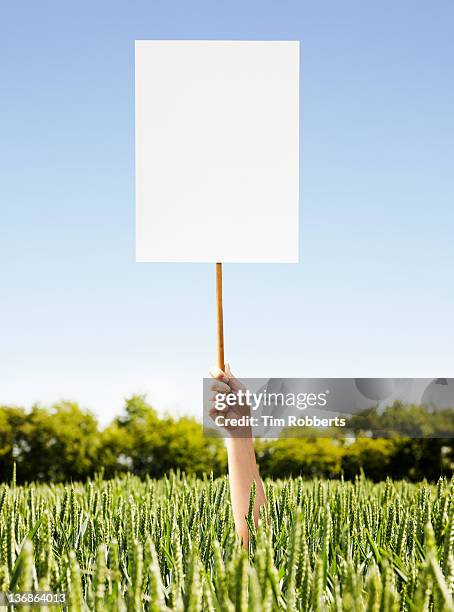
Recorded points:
217,140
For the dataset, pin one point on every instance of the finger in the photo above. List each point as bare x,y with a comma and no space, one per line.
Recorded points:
214,405
220,387
218,397
218,374
213,413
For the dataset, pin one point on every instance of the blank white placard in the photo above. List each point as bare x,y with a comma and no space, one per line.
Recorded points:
217,141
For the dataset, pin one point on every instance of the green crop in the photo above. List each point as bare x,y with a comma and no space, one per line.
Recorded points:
131,544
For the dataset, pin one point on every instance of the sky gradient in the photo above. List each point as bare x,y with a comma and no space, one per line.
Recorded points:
373,294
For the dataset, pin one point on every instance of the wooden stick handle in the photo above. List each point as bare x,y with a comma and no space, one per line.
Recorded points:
220,317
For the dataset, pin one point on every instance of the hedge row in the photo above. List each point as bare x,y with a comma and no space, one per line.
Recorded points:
64,443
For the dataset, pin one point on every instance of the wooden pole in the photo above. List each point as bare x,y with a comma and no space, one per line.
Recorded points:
220,317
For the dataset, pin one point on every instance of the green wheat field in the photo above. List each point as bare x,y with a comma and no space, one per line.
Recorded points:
128,544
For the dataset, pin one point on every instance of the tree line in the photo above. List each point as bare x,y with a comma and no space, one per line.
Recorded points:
64,443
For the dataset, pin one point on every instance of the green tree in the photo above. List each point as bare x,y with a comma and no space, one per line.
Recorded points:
146,444
58,444
12,421
422,439
374,457
300,456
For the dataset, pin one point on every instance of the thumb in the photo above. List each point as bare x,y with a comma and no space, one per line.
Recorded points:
234,383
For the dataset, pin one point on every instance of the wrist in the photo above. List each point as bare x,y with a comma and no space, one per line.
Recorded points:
245,441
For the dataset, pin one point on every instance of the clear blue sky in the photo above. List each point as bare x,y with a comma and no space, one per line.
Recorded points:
373,294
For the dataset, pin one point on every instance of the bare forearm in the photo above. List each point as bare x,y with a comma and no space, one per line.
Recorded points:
243,472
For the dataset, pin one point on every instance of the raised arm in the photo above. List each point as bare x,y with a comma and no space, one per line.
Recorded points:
243,470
